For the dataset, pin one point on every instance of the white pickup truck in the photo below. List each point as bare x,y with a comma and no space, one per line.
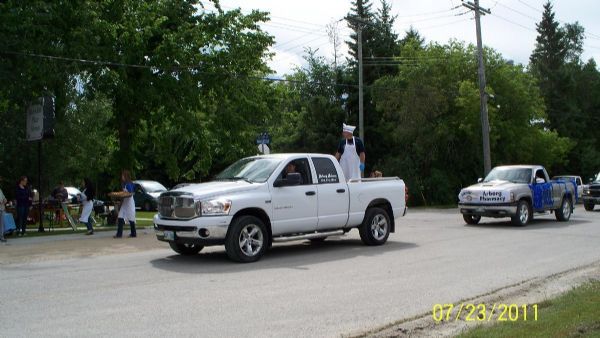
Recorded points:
275,198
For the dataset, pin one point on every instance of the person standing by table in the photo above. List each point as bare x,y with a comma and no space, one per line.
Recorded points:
24,201
351,153
2,203
87,202
127,209
60,193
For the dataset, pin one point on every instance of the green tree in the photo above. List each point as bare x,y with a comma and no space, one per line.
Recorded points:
174,74
430,121
310,113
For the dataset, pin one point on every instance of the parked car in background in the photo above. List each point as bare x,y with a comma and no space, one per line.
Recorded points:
578,182
181,185
73,192
591,194
146,194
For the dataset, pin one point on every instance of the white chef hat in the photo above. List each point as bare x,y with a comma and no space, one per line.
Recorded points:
348,128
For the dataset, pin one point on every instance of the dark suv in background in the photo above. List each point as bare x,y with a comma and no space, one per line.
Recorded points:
146,194
591,194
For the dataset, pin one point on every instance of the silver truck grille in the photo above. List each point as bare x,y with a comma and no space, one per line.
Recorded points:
176,206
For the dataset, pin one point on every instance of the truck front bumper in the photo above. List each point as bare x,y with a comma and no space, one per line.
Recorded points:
591,199
489,210
208,230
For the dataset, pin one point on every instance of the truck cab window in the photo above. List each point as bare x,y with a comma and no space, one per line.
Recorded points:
540,174
326,172
298,166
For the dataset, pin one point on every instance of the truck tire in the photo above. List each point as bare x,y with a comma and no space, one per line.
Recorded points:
588,206
247,239
523,214
147,206
375,228
186,249
472,219
564,212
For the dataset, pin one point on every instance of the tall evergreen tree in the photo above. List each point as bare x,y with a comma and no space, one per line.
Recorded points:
549,53
378,40
549,62
412,36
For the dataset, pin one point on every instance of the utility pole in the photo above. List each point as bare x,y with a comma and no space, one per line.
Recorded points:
485,124
361,129
359,26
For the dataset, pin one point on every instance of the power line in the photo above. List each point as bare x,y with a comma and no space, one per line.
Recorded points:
588,34
518,12
526,4
428,13
224,74
171,69
446,24
303,44
514,23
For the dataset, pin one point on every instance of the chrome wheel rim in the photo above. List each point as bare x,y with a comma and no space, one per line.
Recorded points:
251,240
379,226
566,210
524,214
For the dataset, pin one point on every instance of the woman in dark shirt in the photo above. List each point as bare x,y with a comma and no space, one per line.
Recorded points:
23,203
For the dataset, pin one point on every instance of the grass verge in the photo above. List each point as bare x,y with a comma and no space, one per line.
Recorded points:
573,314
143,219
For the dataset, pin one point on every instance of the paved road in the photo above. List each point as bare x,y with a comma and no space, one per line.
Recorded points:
336,288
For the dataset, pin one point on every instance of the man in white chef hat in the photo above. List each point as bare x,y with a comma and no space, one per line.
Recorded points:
351,153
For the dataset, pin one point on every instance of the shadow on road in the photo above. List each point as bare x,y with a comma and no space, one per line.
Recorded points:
296,255
536,224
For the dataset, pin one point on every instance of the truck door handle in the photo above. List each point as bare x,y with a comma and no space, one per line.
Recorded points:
310,193
341,191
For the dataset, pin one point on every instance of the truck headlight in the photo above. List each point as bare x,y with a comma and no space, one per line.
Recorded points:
586,191
217,207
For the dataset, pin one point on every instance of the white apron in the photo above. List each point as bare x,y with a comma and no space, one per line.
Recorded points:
350,162
127,209
86,209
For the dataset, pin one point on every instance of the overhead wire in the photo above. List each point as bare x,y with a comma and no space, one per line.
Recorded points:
196,69
179,67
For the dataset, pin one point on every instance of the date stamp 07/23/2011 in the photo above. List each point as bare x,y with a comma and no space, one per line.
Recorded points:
484,312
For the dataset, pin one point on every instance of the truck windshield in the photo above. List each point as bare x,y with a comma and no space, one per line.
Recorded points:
514,175
250,169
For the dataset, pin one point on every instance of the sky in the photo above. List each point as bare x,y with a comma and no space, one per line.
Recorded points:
510,29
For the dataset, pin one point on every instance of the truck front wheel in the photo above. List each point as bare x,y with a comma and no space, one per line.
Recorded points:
588,206
247,239
375,228
472,219
523,214
186,249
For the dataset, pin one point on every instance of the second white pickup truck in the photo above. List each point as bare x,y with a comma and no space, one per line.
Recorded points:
275,198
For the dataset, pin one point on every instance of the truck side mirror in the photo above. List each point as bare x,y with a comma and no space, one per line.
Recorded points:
479,180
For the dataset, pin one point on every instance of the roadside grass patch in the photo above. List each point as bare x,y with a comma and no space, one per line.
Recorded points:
573,314
143,219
